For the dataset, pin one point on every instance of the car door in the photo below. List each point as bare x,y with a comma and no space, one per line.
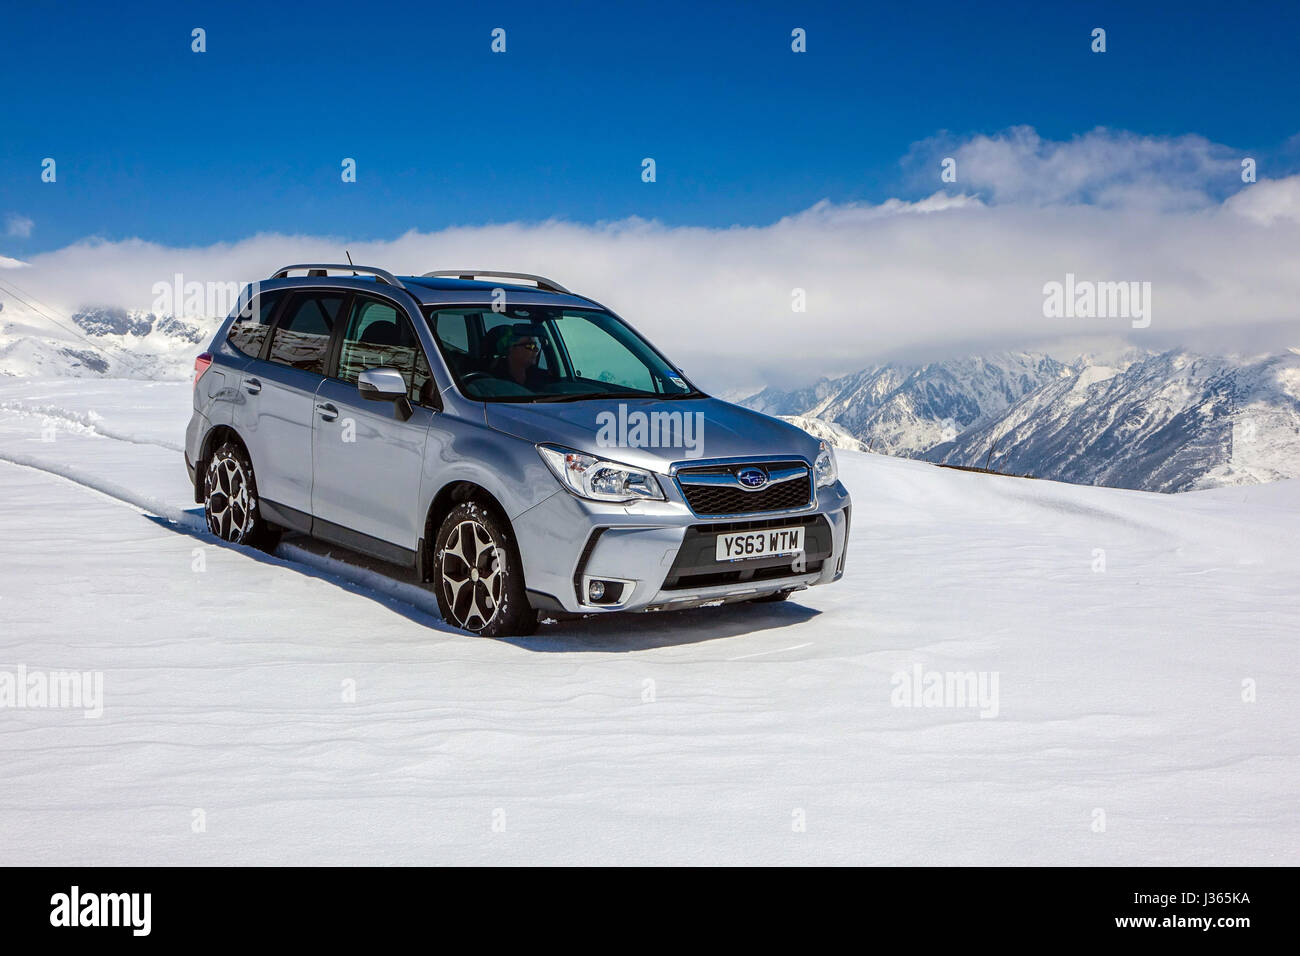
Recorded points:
278,410
368,460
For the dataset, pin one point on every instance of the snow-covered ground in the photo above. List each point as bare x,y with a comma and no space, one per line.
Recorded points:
303,709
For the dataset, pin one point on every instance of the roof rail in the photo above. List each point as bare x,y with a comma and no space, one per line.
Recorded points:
320,269
543,283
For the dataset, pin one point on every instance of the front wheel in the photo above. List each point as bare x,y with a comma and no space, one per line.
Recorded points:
478,574
230,503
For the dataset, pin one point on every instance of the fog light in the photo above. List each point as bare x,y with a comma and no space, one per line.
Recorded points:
595,591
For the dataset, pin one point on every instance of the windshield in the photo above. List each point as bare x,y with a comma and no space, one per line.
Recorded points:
548,354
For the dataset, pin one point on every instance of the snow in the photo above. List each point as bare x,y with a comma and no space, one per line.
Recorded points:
905,409
1171,422
94,343
703,736
837,435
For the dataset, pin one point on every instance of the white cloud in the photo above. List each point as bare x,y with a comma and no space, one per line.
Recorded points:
7,263
18,227
942,274
827,213
1107,168
1269,200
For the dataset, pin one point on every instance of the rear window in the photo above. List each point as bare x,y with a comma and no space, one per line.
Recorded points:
248,332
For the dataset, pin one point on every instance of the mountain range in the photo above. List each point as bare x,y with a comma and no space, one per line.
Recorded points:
98,342
1167,421
905,410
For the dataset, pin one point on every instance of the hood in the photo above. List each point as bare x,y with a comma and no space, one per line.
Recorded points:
650,433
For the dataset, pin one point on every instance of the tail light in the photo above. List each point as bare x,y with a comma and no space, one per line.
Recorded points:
201,365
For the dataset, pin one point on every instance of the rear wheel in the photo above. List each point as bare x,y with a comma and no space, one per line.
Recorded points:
478,574
230,503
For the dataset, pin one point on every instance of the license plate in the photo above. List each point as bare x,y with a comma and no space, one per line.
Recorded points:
759,544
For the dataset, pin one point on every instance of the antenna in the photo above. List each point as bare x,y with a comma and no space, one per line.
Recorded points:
349,255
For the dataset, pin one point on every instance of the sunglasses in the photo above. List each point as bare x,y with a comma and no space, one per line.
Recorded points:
531,346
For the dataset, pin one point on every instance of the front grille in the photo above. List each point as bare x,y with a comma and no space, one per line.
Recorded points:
715,499
756,524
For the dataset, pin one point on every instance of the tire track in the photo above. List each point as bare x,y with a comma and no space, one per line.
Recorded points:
416,601
86,422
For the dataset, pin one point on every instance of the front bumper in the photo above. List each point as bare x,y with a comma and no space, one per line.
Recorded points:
657,551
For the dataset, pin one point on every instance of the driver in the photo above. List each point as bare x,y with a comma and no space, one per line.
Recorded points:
518,352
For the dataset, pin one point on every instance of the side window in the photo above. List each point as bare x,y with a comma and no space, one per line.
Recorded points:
249,329
302,336
380,335
452,332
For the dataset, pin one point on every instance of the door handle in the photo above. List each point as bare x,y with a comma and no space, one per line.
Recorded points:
253,386
328,412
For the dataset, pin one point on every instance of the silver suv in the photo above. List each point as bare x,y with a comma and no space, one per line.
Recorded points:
518,445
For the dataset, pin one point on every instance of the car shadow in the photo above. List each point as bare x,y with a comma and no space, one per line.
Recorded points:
418,606
596,633
642,631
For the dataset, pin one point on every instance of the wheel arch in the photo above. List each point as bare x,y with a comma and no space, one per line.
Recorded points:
217,436
448,497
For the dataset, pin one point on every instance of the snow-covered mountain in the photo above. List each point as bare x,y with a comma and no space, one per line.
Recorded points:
1172,422
99,342
837,435
904,410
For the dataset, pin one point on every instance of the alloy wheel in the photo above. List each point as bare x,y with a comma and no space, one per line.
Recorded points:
471,575
228,504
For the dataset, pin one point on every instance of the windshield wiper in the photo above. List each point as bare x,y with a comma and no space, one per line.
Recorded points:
585,396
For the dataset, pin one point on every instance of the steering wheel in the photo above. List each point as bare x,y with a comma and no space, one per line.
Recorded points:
474,377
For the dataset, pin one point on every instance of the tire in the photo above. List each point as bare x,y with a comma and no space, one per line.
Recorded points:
478,575
230,500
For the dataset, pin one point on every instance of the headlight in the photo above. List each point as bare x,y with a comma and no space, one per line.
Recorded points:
824,468
590,477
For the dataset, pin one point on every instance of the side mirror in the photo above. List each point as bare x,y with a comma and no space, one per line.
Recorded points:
385,385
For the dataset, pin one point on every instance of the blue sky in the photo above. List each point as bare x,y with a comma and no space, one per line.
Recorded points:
157,142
